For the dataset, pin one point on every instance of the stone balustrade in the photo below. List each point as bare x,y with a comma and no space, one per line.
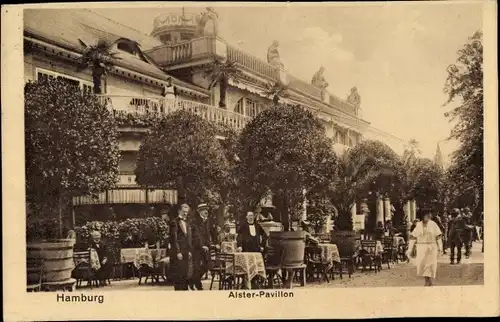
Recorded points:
209,47
140,106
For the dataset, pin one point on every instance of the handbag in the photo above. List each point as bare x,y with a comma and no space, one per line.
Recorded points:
413,252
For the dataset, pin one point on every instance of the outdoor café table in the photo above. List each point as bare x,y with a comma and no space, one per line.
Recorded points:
94,260
145,256
329,254
228,247
251,264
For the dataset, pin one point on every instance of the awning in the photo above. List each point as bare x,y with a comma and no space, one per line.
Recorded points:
136,196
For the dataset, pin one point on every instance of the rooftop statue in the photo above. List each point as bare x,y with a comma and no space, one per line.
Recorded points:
318,79
353,98
208,15
273,55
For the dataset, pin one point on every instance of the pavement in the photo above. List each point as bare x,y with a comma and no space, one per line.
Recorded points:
468,272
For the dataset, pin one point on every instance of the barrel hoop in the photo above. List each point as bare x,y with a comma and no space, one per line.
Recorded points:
61,269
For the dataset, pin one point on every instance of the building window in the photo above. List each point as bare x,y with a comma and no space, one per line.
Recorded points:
252,108
42,74
185,36
239,107
166,38
127,47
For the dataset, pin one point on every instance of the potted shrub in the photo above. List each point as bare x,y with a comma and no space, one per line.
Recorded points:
64,159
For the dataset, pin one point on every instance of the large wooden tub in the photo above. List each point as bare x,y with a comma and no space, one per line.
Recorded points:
57,258
292,244
345,241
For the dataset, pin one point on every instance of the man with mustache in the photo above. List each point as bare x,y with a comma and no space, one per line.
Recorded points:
181,249
201,242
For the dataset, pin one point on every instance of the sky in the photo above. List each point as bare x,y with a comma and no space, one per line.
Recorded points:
396,54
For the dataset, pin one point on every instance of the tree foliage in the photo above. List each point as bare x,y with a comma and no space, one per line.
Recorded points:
182,152
71,143
361,169
100,59
284,149
219,72
464,86
275,91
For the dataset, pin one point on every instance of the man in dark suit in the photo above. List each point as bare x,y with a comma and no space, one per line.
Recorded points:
104,258
457,228
181,249
251,236
201,230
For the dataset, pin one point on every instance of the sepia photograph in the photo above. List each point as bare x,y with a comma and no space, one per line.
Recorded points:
253,151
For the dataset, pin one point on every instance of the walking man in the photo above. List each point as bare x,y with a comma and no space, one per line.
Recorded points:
455,237
201,243
468,232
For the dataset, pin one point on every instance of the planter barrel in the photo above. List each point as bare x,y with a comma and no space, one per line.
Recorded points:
345,241
270,226
57,258
293,245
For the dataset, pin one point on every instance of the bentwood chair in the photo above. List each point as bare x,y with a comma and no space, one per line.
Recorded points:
274,257
215,267
231,279
317,267
369,255
34,274
83,269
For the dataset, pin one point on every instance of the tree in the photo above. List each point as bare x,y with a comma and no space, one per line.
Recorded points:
406,175
71,145
361,169
283,149
219,72
100,59
464,86
275,91
428,183
318,211
182,152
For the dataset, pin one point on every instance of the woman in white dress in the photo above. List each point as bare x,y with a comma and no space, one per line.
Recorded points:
427,238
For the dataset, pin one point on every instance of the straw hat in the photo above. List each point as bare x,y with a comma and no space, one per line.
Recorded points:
202,206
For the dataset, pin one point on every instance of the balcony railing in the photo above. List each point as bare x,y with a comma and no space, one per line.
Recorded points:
209,47
253,63
153,106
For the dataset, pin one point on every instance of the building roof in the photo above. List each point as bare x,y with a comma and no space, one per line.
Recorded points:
66,26
63,27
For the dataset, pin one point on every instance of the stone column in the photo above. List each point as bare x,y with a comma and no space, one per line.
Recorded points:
353,213
412,210
407,211
414,207
304,205
387,209
380,210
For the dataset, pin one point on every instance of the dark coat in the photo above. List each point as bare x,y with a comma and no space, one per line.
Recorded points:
201,231
180,242
251,243
457,229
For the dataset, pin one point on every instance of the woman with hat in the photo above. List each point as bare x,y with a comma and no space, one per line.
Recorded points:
426,238
305,226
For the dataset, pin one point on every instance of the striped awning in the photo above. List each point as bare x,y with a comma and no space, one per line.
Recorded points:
130,195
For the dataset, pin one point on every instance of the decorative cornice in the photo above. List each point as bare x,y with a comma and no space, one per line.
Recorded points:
73,56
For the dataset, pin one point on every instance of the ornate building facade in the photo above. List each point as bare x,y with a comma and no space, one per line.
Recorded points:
178,51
